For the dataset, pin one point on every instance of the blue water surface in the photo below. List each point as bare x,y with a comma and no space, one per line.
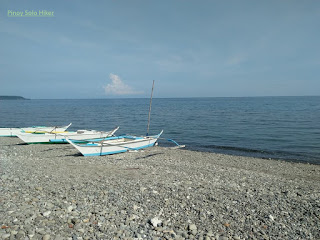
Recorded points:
285,128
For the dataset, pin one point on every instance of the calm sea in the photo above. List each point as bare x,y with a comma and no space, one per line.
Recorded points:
286,128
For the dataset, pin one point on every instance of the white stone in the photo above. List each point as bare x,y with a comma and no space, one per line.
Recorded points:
271,217
69,209
46,237
46,214
155,221
192,227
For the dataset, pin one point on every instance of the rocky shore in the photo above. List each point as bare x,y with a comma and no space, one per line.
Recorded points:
52,192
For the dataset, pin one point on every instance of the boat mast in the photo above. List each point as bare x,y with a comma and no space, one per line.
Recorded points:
150,109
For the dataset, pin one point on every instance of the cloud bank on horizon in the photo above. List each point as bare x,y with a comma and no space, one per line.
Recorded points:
118,87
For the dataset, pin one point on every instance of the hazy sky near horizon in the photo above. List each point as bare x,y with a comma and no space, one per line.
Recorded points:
115,48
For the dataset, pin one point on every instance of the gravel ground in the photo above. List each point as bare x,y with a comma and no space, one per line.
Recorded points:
51,192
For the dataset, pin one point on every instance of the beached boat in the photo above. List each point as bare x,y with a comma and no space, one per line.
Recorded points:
115,145
12,132
79,135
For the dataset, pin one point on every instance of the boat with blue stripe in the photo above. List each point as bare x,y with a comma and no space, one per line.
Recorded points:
114,145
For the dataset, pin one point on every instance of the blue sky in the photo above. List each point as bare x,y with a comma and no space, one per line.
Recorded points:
115,48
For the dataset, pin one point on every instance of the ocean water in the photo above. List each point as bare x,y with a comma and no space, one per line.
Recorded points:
285,128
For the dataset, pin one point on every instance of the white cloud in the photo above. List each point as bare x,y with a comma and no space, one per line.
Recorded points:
117,87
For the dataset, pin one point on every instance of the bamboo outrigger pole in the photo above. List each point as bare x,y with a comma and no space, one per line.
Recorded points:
150,109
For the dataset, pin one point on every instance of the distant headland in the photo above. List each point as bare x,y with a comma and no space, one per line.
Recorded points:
13,98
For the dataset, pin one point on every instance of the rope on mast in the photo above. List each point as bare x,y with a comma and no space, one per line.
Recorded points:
150,109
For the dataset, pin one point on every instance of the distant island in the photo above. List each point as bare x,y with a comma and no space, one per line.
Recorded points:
13,98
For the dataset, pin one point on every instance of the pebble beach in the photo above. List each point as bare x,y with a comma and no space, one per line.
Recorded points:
52,192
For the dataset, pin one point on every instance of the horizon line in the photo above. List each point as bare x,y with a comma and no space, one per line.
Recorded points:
105,98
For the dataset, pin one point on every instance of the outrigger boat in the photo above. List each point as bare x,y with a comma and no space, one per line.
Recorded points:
113,145
12,132
78,136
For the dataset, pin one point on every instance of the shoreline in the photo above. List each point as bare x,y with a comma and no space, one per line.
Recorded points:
240,154
258,153
51,192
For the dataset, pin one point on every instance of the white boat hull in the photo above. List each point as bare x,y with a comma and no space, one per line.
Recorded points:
115,145
60,137
9,132
12,132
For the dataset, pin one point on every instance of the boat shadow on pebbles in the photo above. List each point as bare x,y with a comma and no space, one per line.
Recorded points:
149,155
71,155
78,154
10,145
